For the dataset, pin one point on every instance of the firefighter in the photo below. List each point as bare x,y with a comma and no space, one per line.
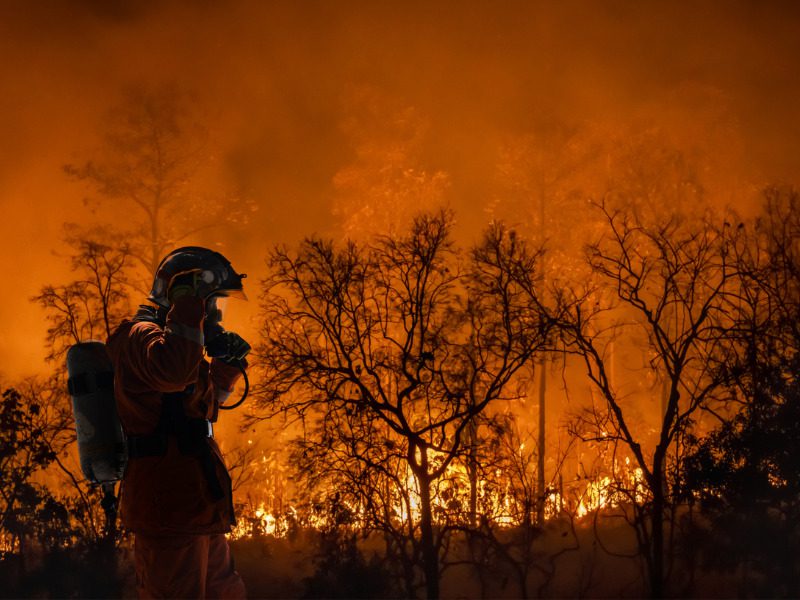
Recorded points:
176,491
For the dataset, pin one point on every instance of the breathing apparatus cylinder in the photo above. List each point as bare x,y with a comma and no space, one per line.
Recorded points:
101,441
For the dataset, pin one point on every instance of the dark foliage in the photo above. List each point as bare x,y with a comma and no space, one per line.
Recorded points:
746,473
46,551
342,570
28,510
83,570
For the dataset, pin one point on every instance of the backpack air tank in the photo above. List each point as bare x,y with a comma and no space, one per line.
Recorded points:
101,441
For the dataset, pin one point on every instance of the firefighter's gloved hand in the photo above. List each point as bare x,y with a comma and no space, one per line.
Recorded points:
189,284
228,347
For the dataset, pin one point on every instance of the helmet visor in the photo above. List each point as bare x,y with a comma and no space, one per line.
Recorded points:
238,294
215,308
217,301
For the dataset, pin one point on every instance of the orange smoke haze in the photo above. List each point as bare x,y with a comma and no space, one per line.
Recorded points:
276,82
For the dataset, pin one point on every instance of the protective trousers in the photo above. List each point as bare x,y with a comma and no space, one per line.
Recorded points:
185,566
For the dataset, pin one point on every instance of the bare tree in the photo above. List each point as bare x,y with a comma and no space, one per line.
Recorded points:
389,354
93,304
155,173
670,283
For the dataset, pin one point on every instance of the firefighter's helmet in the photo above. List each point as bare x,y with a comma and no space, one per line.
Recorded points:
214,270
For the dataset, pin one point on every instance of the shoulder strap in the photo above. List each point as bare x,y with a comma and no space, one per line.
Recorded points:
150,314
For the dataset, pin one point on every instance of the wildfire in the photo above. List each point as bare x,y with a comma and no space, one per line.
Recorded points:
609,492
261,521
498,498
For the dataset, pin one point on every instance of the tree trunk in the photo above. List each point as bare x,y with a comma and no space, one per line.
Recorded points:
430,558
540,494
657,524
540,491
472,471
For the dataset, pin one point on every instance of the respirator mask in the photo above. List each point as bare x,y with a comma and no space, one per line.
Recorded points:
212,329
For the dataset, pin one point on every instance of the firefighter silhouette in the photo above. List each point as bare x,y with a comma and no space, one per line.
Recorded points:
176,491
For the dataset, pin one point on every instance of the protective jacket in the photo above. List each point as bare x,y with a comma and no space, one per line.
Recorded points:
176,488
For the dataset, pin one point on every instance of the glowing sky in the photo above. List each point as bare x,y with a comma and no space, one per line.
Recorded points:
274,82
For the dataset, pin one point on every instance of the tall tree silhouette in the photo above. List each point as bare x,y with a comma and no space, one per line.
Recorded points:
666,284
155,176
390,352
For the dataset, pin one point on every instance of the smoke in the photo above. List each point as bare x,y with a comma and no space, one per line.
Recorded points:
273,81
